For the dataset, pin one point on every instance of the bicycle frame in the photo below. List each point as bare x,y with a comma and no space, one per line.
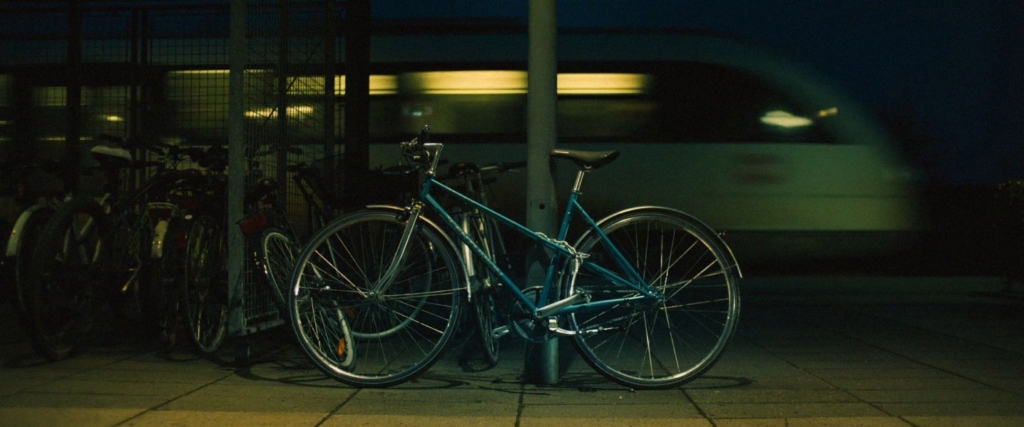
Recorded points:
562,251
113,204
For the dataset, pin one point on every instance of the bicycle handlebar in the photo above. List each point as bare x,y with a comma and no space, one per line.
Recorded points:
413,149
462,169
276,148
503,166
211,157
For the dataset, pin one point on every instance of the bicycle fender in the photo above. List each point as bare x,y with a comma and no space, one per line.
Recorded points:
14,241
706,228
159,234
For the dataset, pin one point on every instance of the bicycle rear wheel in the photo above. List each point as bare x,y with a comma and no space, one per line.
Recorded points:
677,339
205,284
484,292
61,290
360,328
277,253
163,292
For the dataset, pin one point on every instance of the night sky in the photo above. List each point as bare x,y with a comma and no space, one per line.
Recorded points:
952,70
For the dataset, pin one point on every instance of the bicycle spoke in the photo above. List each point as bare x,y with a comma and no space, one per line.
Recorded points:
395,330
653,344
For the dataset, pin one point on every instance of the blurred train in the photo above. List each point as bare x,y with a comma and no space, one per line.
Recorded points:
752,143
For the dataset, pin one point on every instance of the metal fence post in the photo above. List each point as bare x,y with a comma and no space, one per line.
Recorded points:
236,165
541,359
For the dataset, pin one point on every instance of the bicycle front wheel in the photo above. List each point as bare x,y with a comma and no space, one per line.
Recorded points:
361,326
679,337
61,290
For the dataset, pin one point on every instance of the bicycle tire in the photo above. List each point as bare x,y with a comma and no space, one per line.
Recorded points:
391,334
277,252
128,258
484,292
61,292
24,237
485,314
678,339
205,284
163,292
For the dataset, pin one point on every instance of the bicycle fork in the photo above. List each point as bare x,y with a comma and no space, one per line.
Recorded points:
411,215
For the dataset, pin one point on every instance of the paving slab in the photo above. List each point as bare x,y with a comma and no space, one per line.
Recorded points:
876,352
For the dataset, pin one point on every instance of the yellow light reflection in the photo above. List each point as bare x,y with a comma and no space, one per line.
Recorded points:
380,84
200,72
496,82
478,82
269,113
491,82
62,139
601,83
784,119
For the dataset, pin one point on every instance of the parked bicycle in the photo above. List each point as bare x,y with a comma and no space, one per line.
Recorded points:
270,237
204,275
648,295
472,180
39,207
93,252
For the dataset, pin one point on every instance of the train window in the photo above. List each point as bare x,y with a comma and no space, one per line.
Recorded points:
490,105
710,103
676,102
6,119
666,102
199,101
5,90
605,118
105,110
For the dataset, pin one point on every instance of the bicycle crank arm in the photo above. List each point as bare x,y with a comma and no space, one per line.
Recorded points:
547,310
567,333
501,331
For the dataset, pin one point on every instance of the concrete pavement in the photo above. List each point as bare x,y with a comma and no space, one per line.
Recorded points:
820,351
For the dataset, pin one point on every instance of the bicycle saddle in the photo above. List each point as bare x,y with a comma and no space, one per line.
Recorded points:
112,153
586,159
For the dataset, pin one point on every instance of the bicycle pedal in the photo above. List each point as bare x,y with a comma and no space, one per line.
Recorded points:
499,332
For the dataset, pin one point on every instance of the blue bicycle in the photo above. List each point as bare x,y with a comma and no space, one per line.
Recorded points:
648,295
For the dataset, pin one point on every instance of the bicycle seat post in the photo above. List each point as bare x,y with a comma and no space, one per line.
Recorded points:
579,180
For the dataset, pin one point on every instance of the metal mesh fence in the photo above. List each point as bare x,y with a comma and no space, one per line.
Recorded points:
288,60
160,69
